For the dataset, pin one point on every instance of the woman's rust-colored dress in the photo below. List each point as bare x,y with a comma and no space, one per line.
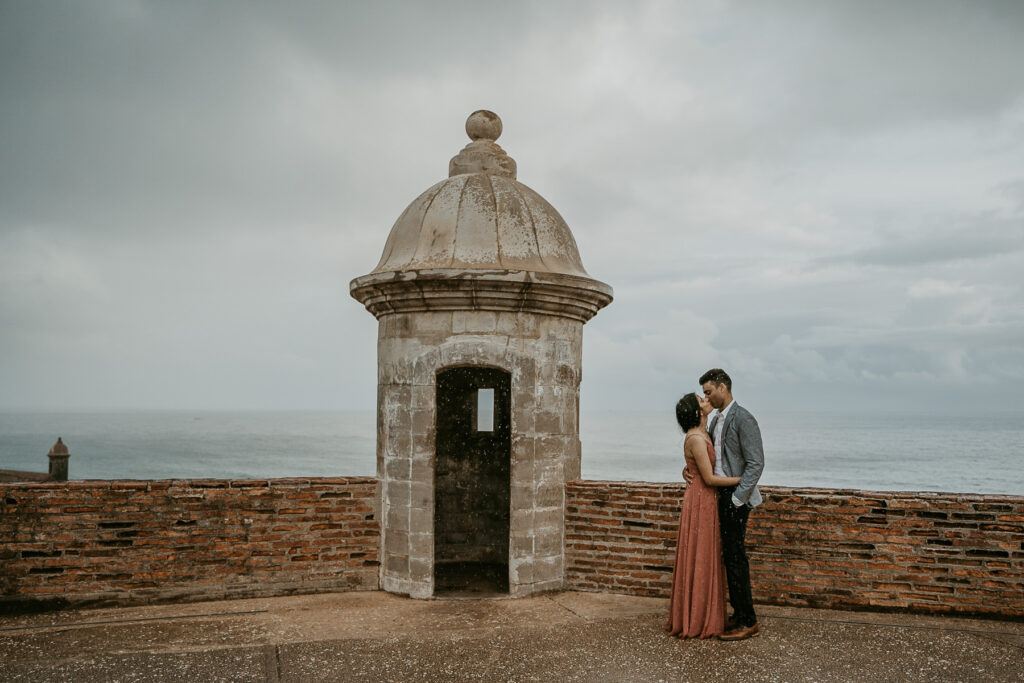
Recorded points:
697,605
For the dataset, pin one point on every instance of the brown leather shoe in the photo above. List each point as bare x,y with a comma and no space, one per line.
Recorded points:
730,624
741,633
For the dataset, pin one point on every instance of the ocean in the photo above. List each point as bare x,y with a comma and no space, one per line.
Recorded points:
983,454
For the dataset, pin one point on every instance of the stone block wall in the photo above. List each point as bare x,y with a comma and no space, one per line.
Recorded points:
543,355
842,549
125,542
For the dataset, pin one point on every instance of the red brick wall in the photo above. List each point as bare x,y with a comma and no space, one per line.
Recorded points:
97,542
923,552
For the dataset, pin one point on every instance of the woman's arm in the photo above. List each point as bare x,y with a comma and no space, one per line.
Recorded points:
699,451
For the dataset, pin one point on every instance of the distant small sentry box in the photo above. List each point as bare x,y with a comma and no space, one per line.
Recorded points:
58,470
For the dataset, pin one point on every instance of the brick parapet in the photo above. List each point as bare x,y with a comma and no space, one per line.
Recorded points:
839,549
131,542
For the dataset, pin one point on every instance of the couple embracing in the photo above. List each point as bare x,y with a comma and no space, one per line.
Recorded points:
724,460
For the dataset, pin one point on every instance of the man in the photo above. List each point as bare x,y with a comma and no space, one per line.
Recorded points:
738,453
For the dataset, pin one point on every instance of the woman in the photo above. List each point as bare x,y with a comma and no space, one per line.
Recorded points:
697,606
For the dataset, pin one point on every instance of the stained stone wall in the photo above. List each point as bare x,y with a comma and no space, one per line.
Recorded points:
543,355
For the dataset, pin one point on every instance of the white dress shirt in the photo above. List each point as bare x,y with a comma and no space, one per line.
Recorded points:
717,438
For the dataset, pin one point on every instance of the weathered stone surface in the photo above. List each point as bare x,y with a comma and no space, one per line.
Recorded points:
474,321
548,543
547,569
397,520
421,520
479,273
481,217
541,451
397,565
550,494
399,493
498,290
420,570
421,545
522,546
522,521
397,468
422,496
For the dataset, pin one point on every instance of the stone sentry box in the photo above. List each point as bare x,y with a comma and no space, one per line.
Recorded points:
480,297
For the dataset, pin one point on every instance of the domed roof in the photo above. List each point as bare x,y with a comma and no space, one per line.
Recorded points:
480,217
481,241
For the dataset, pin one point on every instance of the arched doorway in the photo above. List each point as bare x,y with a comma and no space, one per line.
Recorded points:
472,480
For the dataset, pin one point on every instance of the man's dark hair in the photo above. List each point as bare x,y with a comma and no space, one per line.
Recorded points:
688,412
718,376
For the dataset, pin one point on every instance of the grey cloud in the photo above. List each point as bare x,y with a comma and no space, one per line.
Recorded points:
186,189
170,107
876,63
974,239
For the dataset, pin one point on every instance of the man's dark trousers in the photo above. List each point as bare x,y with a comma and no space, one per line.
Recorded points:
732,522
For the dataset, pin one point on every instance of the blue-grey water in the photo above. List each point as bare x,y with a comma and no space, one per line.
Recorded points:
982,454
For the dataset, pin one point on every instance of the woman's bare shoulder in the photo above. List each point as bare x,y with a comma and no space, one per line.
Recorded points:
696,439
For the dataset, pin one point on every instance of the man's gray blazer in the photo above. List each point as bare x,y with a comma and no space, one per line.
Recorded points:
742,453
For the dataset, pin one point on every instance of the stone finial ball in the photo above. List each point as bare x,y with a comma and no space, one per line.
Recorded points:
483,125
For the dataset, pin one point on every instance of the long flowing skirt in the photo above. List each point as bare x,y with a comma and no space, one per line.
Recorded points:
697,605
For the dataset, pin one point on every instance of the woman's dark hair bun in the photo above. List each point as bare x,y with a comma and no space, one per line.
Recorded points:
688,412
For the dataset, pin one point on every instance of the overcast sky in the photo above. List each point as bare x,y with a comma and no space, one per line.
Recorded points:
826,199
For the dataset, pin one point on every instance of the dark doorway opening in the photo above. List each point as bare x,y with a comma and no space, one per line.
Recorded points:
472,486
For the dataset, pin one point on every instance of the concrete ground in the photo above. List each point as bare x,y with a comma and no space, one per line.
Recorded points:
375,636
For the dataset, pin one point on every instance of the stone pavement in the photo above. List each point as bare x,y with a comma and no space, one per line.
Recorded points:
376,636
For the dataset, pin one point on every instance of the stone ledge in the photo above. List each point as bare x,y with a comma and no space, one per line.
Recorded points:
566,296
